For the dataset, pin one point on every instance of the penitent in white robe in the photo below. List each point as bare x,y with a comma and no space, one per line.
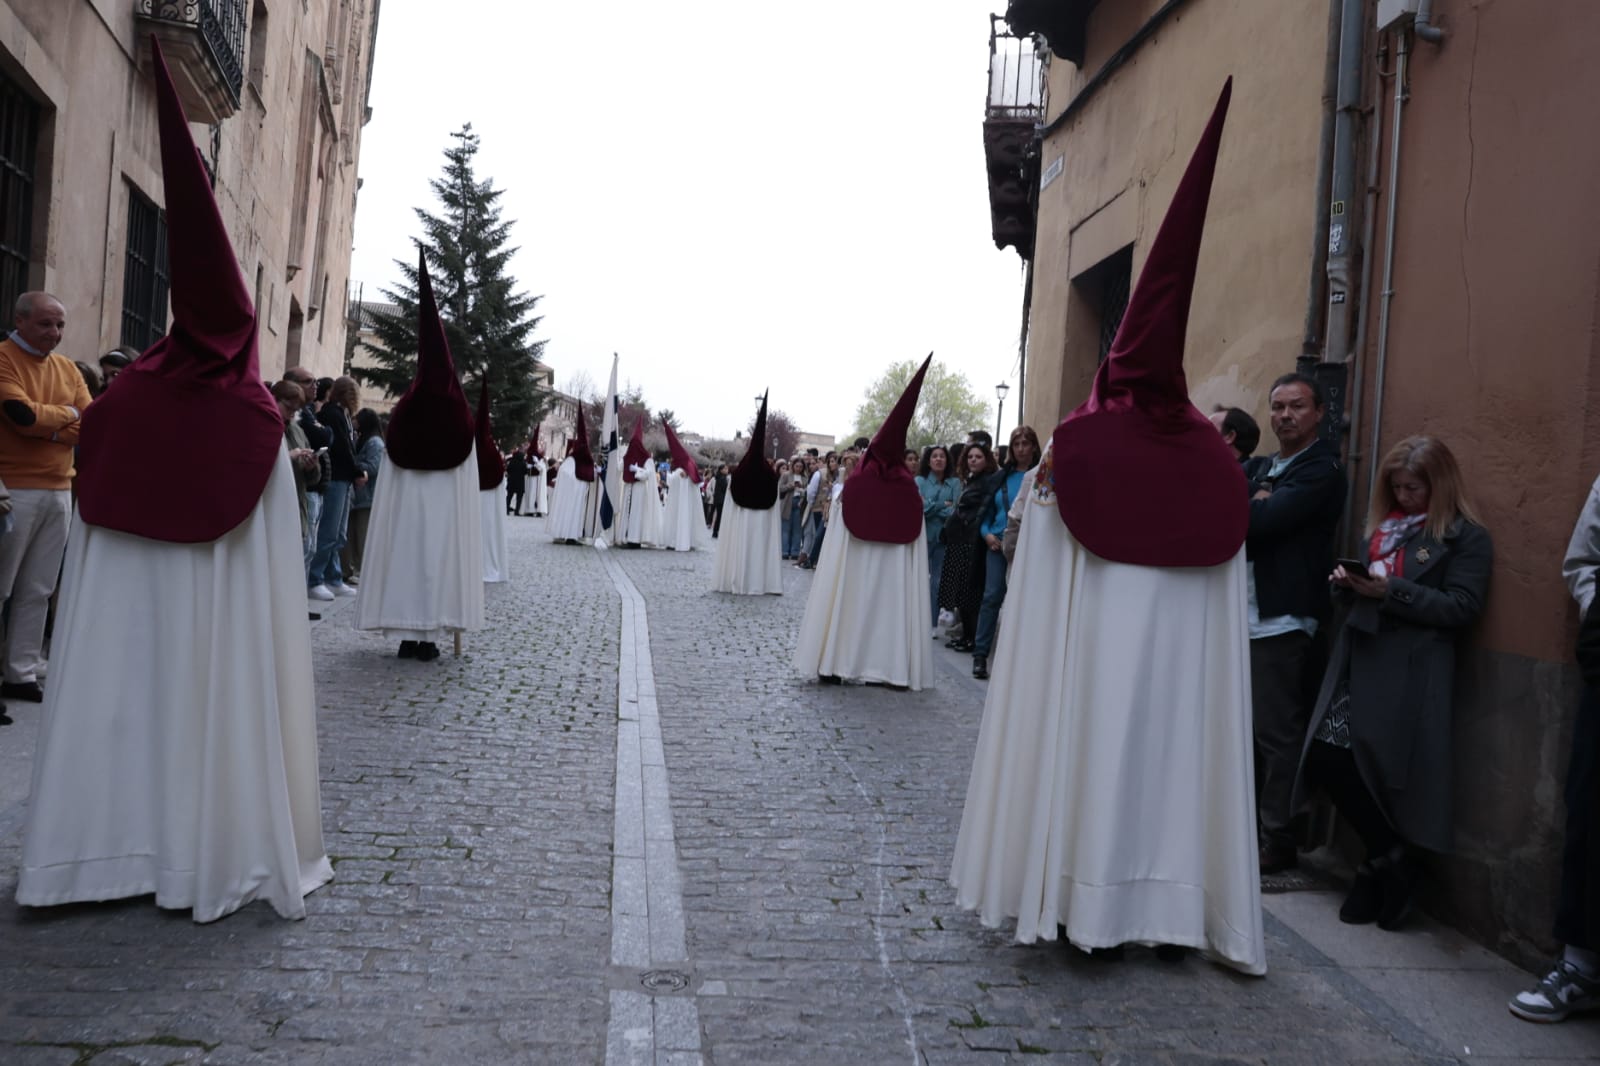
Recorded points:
423,572
492,519
1112,789
685,526
867,616
539,489
177,751
749,552
569,503
641,507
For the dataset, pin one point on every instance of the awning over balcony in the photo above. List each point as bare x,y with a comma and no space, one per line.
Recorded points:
1060,22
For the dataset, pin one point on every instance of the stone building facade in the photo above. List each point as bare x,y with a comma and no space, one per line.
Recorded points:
1401,208
276,92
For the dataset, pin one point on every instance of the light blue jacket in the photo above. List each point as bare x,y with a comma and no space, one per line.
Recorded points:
938,501
995,523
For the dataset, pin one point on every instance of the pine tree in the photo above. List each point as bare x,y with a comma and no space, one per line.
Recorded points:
487,322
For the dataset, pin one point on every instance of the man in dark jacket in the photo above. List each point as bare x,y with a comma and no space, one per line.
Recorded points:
516,482
1296,500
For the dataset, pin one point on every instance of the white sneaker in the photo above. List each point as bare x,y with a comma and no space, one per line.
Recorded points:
936,632
341,589
319,592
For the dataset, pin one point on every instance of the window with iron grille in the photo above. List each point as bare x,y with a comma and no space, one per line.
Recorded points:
1115,283
19,135
144,273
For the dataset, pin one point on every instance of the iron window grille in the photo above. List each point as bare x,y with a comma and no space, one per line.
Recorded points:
19,137
144,276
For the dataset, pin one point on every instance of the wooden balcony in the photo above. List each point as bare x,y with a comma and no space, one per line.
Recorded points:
203,41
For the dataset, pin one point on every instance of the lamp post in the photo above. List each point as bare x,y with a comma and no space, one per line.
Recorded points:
1000,390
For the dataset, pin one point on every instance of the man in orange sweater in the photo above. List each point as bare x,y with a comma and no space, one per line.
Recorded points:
42,397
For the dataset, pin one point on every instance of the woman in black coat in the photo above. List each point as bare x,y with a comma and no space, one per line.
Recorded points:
1380,737
961,579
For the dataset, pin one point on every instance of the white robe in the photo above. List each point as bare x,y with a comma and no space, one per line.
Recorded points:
423,572
867,616
641,508
685,527
569,503
539,489
492,519
177,750
749,552
1112,789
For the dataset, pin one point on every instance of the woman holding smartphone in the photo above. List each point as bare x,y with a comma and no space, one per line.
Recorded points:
1380,736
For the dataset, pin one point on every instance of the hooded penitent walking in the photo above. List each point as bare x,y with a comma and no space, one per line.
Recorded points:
750,549
866,618
1112,789
491,475
685,527
423,576
538,467
180,758
570,499
641,503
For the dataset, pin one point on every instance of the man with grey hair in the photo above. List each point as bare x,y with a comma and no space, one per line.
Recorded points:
42,397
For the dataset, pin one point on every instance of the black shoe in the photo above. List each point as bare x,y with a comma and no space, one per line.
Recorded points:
1277,860
427,651
1115,954
962,645
1399,878
315,617
408,649
1365,901
5,719
829,679
980,667
1171,952
28,691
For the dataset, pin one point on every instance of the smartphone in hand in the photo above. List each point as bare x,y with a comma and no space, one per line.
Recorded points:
1353,567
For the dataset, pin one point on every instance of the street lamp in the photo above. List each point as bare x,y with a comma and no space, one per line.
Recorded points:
1000,390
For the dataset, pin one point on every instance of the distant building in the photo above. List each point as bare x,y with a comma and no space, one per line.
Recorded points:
822,442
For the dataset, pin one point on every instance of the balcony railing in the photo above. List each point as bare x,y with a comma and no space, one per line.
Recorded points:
1016,75
204,44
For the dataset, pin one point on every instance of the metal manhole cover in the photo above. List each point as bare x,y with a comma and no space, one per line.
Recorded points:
664,980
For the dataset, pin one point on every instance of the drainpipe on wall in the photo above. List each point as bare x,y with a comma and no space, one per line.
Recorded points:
1424,26
1339,218
1316,294
1358,358
1401,92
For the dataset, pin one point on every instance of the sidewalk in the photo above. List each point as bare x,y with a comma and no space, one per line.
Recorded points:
619,829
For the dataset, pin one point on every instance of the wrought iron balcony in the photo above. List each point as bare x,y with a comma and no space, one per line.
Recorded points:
1014,108
203,41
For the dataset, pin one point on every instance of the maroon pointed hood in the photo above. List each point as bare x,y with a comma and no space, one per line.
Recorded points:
637,454
199,383
681,459
430,427
491,465
534,447
881,499
578,449
1137,452
754,482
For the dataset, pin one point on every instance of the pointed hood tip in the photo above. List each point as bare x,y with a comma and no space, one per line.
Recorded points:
582,457
491,465
637,454
881,500
681,459
754,482
1139,427
431,426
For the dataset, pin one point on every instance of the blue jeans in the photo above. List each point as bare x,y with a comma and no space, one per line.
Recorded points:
785,527
331,534
994,594
313,518
935,564
821,528
793,528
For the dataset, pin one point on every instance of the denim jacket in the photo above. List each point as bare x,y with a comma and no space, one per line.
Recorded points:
938,500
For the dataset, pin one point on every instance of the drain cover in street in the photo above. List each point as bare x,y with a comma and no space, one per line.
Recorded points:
664,980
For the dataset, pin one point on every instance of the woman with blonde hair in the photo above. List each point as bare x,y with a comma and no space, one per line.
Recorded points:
1380,738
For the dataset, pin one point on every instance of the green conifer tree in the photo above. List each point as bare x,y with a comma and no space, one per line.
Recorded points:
486,320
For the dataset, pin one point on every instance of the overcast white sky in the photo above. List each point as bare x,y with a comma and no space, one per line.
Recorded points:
730,196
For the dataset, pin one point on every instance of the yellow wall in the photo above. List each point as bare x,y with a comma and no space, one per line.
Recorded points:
1123,155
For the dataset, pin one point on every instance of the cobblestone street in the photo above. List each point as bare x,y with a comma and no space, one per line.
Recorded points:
507,887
